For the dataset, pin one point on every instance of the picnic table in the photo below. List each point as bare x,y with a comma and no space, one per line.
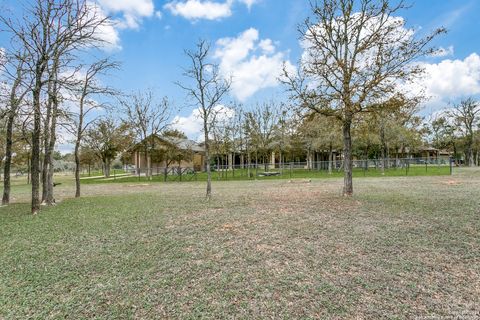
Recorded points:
269,174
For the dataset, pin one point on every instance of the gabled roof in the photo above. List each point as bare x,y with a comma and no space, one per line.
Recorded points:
181,143
184,144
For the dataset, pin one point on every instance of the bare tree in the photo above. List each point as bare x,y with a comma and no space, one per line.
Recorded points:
148,119
206,93
50,127
85,90
50,30
357,52
18,91
466,115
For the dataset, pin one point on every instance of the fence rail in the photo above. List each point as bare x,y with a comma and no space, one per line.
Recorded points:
287,170
310,169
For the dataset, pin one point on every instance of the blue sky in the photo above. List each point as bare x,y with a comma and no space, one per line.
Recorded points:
152,55
251,38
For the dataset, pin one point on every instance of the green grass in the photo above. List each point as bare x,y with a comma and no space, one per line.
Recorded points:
403,247
99,173
242,174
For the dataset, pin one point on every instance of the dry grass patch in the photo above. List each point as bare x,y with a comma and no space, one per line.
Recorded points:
401,248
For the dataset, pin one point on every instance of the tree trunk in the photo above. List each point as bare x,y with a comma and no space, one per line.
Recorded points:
46,147
8,158
280,160
14,104
29,173
348,161
383,148
107,168
455,153
78,140
149,165
207,160
77,167
51,143
366,157
308,158
249,164
35,161
51,147
471,159
330,159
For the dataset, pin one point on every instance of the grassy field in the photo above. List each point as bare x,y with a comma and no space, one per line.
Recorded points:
402,247
243,174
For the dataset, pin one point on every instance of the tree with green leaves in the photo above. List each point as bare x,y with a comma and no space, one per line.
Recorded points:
466,115
106,140
263,124
357,52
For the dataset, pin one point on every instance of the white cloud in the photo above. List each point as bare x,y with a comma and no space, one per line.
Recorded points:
249,3
204,9
126,14
447,81
132,10
254,64
453,78
444,52
106,32
196,9
267,46
110,36
192,124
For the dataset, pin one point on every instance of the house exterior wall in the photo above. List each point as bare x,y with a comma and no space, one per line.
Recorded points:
140,162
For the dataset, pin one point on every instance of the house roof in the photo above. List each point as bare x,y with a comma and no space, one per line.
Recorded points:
181,143
184,144
427,148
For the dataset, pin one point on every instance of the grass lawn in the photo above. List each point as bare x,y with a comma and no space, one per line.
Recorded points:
242,174
402,247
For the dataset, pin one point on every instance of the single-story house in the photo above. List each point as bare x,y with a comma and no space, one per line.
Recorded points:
166,151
